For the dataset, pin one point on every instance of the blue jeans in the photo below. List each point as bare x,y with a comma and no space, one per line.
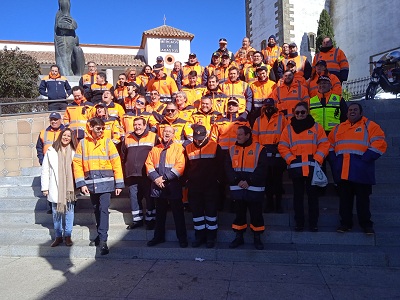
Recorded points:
59,219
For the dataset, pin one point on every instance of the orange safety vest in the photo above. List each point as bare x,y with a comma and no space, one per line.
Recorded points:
250,74
194,94
335,58
165,86
271,54
186,69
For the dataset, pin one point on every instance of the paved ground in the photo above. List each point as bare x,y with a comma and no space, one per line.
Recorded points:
52,278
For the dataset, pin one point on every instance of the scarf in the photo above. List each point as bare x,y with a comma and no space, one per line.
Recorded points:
65,179
301,125
325,49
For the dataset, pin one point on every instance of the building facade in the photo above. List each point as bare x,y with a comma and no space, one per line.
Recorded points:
364,30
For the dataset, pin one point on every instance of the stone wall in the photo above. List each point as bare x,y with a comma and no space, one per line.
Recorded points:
18,136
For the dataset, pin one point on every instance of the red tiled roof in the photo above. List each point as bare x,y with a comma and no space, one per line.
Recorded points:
111,60
165,31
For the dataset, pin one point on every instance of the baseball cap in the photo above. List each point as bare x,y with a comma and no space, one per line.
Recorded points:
216,54
223,40
132,83
323,78
233,100
291,62
55,115
262,68
100,104
192,54
269,101
160,58
199,132
225,54
157,68
321,62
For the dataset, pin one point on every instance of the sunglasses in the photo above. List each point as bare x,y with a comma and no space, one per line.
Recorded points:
233,104
121,78
132,74
140,102
303,112
154,93
170,110
98,128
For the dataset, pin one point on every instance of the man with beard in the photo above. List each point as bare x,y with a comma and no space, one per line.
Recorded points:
335,58
272,51
204,167
288,94
355,146
261,89
165,165
267,131
135,149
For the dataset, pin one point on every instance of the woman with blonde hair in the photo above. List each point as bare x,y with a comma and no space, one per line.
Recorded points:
57,183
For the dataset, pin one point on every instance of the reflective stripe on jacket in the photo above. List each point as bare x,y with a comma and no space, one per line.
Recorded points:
300,150
286,97
354,149
97,165
329,115
224,131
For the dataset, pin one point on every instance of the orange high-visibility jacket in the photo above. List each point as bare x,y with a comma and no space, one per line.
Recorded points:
261,90
286,97
249,72
76,117
241,91
186,69
97,165
194,94
165,86
354,149
268,132
224,130
45,139
205,119
219,100
129,118
271,54
302,150
336,61
313,86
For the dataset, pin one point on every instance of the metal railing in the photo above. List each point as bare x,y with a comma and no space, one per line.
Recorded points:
26,107
357,87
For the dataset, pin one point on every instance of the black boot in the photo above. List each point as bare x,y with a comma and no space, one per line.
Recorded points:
104,248
257,241
237,241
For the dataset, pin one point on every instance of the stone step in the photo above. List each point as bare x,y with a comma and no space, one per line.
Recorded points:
273,234
379,203
86,217
273,253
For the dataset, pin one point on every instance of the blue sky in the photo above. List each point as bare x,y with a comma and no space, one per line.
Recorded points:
122,22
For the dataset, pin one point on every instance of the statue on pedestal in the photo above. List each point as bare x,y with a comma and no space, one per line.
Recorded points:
69,55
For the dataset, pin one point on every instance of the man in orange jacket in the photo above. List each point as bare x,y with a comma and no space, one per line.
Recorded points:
98,170
165,164
355,146
335,58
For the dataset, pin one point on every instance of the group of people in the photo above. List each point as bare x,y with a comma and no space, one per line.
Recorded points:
238,123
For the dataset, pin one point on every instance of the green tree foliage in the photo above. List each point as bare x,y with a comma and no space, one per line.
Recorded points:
325,28
18,75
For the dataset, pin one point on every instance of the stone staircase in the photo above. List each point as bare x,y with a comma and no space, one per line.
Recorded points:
26,229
